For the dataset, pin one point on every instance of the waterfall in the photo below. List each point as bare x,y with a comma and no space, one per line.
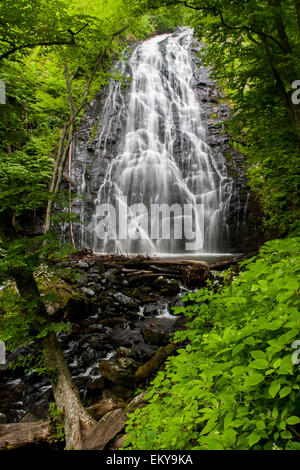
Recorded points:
163,161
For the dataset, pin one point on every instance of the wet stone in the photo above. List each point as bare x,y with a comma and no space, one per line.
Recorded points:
87,291
126,352
155,336
125,300
116,374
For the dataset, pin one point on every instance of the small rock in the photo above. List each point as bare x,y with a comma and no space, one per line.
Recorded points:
87,291
125,300
166,286
98,267
3,418
126,352
83,264
128,364
110,275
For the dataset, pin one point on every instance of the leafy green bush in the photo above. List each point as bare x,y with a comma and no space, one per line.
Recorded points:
235,385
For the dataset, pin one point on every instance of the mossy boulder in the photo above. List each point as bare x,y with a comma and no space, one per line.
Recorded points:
116,374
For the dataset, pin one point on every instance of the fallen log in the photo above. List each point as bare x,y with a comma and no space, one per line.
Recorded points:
14,436
100,409
225,264
105,430
111,425
147,370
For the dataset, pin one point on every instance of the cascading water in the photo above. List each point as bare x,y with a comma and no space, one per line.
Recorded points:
163,159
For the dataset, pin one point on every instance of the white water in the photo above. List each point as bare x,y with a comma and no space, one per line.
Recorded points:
164,158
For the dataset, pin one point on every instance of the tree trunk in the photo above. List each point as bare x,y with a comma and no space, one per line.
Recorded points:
78,424
76,420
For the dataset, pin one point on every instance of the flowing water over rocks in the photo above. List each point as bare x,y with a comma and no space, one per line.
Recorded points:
120,317
159,139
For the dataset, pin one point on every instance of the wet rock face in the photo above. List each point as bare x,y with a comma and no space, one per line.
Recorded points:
113,334
244,218
100,139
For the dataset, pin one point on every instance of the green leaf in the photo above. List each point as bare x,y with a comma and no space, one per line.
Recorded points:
285,391
254,379
259,364
258,354
274,389
254,438
293,420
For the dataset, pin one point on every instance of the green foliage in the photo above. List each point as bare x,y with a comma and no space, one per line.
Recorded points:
37,100
234,386
56,422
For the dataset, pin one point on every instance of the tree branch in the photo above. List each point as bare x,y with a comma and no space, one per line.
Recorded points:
216,12
64,42
32,46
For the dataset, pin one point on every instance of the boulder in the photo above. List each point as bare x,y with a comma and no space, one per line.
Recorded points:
168,287
155,336
35,415
116,374
10,395
117,392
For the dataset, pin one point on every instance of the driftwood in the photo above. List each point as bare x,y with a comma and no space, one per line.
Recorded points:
105,430
13,436
100,409
111,425
190,273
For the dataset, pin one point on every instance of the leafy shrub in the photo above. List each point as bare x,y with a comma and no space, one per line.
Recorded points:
235,385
